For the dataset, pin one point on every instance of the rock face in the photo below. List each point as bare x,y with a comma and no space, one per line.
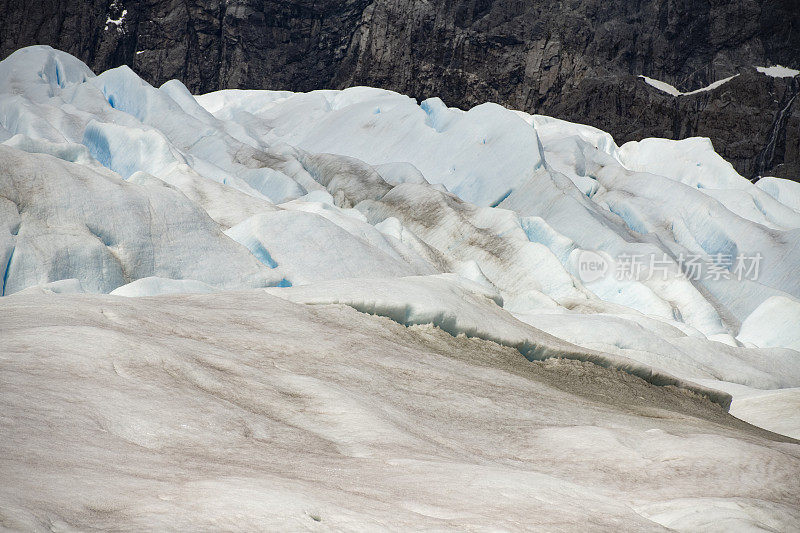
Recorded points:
578,59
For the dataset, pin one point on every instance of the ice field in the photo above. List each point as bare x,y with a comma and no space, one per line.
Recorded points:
350,310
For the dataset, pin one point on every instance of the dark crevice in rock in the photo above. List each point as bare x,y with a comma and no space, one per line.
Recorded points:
777,138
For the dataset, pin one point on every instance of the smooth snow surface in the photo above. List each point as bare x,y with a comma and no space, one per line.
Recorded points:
463,230
774,409
785,191
154,286
776,322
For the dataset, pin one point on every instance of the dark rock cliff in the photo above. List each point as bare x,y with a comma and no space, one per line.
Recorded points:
574,59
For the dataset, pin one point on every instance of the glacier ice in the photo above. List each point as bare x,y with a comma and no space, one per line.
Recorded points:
470,221
64,220
297,244
240,410
774,323
154,286
254,160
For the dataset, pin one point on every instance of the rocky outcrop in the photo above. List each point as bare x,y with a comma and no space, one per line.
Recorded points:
577,60
753,119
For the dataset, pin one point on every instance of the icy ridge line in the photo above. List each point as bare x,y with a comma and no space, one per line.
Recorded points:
411,309
539,352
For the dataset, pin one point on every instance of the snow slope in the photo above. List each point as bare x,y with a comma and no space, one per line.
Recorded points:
508,228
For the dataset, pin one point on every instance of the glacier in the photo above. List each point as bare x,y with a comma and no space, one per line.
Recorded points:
345,235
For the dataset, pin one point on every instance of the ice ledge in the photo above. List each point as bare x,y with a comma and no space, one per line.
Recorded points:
461,307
